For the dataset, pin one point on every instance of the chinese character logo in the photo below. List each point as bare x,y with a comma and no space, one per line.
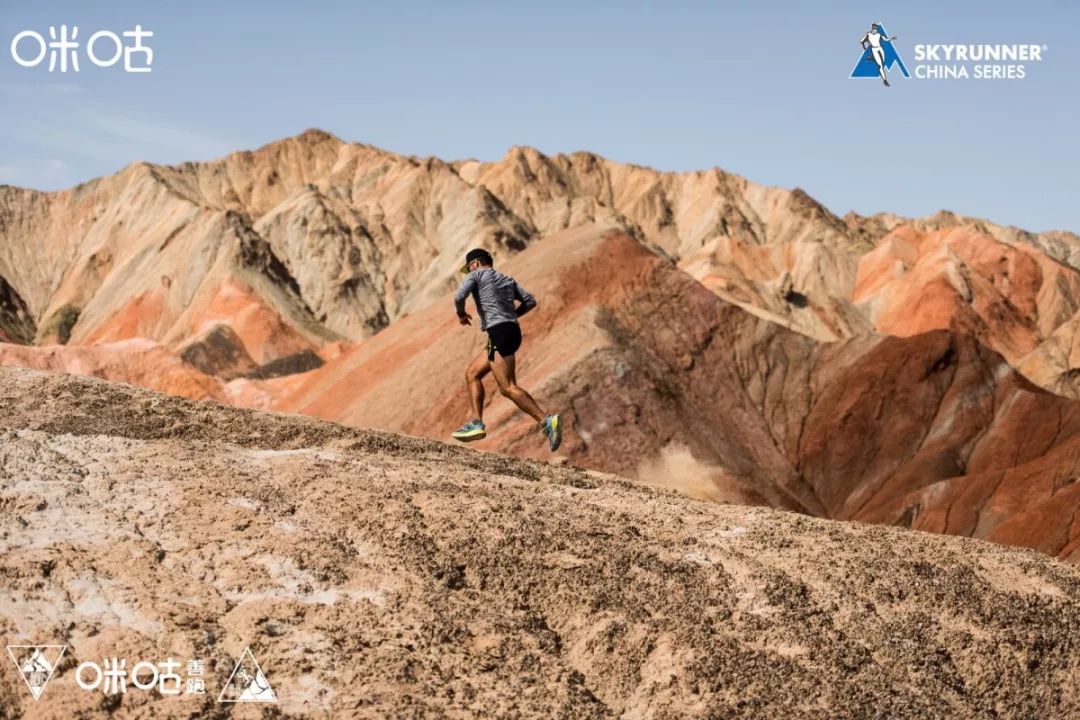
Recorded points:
247,682
36,664
29,49
878,56
112,676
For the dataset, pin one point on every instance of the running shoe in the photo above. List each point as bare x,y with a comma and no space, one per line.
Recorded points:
472,430
553,431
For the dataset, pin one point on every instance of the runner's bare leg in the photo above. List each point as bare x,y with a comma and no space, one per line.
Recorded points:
504,371
474,375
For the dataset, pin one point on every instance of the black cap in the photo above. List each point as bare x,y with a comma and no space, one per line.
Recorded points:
477,254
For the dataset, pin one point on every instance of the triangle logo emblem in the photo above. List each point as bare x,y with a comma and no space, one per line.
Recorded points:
247,683
878,56
36,664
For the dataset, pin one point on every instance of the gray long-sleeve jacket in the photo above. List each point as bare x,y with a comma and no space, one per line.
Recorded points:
494,294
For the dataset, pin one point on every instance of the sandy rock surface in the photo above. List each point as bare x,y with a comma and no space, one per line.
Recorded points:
377,575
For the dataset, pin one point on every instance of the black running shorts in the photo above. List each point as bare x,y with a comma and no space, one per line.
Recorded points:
504,338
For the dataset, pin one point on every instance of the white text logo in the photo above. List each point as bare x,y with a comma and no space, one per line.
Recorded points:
104,48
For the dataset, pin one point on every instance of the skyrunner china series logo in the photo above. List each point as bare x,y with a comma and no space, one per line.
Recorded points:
880,59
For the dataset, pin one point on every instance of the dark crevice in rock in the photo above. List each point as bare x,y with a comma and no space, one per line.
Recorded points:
16,322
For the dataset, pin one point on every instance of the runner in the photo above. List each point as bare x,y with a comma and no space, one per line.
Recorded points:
494,295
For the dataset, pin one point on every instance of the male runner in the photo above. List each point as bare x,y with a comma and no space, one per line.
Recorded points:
494,295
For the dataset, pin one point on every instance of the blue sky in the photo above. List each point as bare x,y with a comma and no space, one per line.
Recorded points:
756,88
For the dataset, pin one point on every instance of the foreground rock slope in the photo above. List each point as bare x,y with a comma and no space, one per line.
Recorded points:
378,575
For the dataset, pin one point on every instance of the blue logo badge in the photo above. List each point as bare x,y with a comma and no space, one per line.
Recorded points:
879,56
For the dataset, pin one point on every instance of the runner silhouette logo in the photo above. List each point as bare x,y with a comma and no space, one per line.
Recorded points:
879,55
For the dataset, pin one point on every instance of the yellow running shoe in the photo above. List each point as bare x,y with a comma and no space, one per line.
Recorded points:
553,430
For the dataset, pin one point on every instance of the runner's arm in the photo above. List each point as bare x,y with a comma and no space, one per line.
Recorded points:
468,285
528,302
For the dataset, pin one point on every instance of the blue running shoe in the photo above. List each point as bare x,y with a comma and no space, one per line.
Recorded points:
472,430
553,430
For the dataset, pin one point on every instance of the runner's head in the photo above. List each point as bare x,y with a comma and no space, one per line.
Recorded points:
477,257
873,27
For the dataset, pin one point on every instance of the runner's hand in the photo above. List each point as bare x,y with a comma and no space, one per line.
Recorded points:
465,319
